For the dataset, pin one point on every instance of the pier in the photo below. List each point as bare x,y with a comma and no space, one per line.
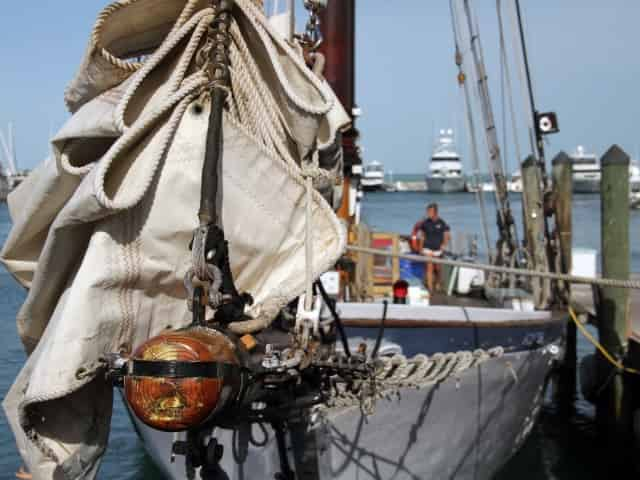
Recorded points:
634,309
400,186
615,374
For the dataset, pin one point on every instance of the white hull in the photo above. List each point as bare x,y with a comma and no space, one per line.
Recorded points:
372,184
445,184
465,428
373,177
586,185
593,186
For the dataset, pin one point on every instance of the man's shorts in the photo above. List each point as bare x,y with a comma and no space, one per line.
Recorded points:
431,253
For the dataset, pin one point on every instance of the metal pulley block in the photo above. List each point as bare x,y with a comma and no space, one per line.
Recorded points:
311,39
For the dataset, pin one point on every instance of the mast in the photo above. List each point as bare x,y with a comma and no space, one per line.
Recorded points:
506,225
338,26
536,186
6,146
527,72
12,146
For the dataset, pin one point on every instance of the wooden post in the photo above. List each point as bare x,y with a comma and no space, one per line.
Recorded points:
563,196
563,200
613,310
533,203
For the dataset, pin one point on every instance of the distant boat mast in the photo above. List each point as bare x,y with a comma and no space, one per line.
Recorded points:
8,147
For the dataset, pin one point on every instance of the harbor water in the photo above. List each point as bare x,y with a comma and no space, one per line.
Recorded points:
557,449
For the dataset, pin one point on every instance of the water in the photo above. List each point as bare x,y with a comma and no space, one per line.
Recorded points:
557,449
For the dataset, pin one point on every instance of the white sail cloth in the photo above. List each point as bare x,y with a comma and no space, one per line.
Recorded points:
101,236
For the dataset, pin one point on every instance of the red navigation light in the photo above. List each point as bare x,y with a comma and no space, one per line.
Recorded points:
400,292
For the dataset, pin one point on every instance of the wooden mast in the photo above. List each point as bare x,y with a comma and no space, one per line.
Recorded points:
338,24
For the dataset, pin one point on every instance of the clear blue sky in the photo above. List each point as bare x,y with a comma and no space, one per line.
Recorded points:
583,55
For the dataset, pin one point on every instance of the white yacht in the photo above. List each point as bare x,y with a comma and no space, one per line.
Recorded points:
445,169
586,171
373,177
488,187
634,177
515,184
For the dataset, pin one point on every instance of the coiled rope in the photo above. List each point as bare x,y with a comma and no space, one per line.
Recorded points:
602,282
398,372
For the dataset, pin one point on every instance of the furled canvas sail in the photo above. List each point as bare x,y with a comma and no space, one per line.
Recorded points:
101,235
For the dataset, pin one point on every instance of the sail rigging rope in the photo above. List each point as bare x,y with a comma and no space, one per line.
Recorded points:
508,93
471,130
507,83
483,96
508,244
602,282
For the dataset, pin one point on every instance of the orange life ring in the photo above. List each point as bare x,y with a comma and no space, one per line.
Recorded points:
415,241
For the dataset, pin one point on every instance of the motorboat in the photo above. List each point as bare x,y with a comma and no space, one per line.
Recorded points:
514,185
373,177
445,167
634,176
586,171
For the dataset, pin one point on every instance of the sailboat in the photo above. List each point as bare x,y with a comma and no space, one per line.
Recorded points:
10,176
6,169
210,270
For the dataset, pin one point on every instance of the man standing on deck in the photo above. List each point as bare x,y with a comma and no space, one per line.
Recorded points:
436,236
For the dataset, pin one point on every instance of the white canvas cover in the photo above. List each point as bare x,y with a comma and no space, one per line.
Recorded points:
101,235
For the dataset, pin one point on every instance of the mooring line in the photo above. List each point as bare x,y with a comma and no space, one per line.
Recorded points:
608,356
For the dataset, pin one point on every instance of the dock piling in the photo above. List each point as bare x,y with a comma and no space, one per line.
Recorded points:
534,223
612,410
563,204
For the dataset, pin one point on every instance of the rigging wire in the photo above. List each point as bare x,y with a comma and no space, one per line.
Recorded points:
489,125
503,105
525,60
376,348
528,107
508,92
336,317
536,135
471,129
507,83
508,243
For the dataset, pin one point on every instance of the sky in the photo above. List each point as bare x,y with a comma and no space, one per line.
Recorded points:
583,56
